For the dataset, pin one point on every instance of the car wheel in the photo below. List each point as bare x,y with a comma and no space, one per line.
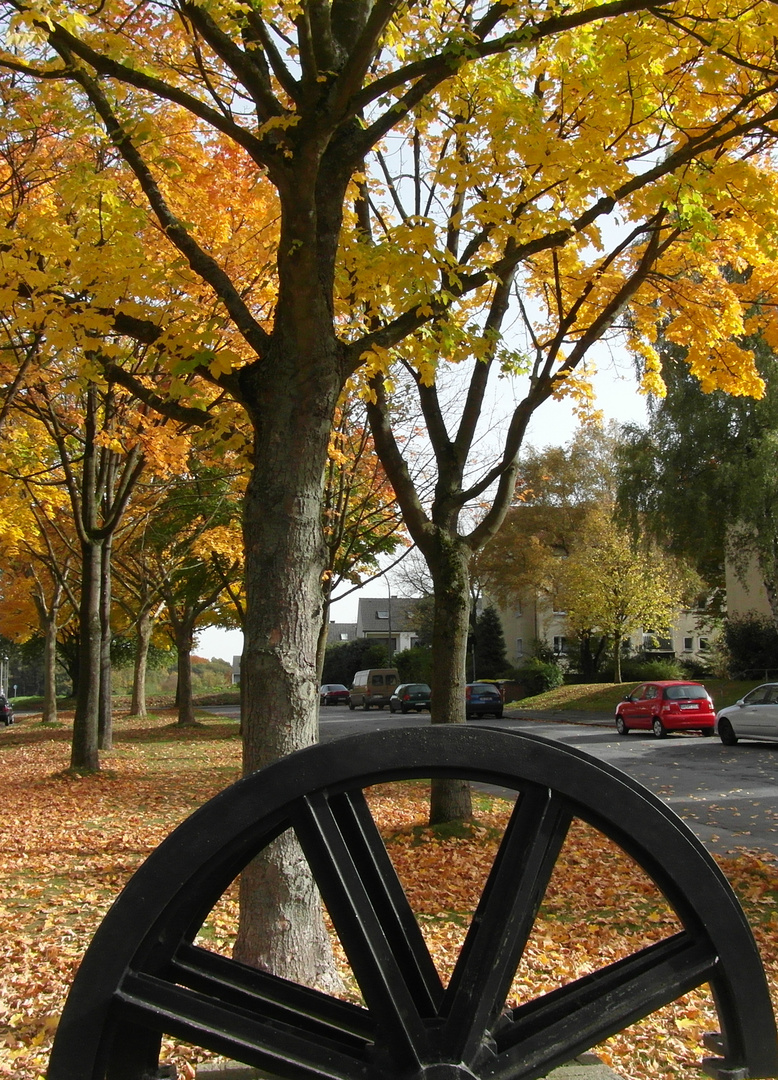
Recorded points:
658,728
365,705
707,732
351,705
621,727
498,715
403,709
726,734
420,708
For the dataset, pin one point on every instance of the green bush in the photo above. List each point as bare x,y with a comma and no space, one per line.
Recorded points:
638,669
414,665
537,676
751,642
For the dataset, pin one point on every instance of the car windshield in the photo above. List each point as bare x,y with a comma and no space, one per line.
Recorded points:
673,693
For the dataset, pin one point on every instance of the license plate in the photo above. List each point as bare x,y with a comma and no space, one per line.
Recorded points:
691,705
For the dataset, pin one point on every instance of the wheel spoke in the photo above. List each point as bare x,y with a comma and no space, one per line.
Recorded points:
553,1029
276,1000
371,915
503,920
234,1031
387,895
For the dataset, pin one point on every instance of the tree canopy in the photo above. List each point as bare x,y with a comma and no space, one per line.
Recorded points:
701,476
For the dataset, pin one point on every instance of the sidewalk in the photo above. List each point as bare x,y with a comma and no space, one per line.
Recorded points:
563,716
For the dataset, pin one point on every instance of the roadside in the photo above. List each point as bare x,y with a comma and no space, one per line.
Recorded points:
562,716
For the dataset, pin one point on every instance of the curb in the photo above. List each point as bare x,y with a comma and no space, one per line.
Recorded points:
585,1067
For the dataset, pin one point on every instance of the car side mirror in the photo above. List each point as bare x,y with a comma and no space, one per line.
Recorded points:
741,702
627,697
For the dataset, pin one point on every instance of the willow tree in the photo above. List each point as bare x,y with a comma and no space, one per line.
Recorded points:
524,128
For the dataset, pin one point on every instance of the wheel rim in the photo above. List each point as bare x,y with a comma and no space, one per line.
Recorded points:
142,971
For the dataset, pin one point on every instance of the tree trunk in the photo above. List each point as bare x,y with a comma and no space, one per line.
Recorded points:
617,639
281,925
105,715
84,752
143,629
50,670
321,647
184,644
449,563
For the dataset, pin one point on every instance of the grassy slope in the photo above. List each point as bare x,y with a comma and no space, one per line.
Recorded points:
603,697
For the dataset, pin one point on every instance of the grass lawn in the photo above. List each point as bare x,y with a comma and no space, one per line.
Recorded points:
69,844
599,697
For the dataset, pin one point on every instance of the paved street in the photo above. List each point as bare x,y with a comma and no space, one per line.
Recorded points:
728,795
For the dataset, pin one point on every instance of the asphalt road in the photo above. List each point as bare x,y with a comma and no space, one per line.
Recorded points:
727,795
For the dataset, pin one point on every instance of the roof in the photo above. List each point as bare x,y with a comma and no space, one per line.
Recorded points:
379,613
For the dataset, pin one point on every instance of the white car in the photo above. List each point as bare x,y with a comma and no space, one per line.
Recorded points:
754,716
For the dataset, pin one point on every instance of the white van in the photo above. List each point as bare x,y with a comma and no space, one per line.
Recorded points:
373,687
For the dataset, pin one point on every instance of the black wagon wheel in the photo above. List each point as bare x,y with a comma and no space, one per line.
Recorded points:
143,976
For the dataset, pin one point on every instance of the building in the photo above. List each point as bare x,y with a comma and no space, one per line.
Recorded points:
338,632
532,619
390,621
746,592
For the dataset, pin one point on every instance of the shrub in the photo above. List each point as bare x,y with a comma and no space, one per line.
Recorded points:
751,642
638,669
414,665
537,676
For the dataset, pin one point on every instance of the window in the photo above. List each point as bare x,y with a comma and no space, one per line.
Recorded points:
688,644
704,646
344,636
560,645
657,642
519,646
377,680
517,611
382,614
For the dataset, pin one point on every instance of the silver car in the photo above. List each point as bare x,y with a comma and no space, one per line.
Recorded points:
754,716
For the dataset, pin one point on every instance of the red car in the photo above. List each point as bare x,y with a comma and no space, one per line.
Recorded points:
666,706
333,693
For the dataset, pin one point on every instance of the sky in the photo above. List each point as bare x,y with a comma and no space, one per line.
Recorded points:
553,425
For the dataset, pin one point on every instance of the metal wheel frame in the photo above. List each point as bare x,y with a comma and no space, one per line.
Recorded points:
143,976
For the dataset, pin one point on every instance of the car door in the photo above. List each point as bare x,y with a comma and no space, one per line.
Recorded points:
634,710
765,715
645,706
750,719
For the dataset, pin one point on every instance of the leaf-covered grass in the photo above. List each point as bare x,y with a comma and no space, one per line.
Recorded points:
604,697
69,844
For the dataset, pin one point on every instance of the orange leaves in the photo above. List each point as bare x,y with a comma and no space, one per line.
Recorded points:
69,844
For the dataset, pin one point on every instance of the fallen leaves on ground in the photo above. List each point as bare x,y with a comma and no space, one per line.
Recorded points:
69,844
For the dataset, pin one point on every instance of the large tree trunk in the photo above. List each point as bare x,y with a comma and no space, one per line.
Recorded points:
84,752
281,927
321,647
143,629
449,563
